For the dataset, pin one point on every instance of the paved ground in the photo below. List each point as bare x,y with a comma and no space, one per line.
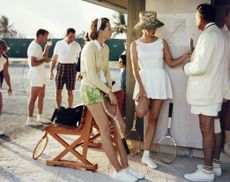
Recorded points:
16,146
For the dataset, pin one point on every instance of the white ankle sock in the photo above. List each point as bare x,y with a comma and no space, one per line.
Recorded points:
30,118
146,153
216,163
207,169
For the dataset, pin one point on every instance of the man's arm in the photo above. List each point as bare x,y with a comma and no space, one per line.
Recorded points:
52,65
37,62
46,51
201,57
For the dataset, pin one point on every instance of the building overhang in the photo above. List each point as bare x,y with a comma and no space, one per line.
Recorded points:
117,5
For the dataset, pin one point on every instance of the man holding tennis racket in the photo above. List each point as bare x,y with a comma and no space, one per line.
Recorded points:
207,73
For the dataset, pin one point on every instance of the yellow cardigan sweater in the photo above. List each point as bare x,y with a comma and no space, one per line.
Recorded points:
93,61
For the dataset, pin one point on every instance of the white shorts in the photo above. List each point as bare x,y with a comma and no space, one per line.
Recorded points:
37,78
209,110
37,82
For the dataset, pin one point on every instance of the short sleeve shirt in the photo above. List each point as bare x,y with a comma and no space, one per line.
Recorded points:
67,53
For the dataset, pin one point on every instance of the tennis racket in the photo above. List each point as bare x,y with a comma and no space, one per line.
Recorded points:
114,116
40,147
167,144
133,138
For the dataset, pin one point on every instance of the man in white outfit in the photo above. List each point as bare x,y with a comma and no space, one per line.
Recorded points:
206,87
37,75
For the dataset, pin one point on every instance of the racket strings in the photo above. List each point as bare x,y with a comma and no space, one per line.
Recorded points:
167,149
40,147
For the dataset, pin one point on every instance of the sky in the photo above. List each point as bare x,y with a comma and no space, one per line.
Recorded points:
56,16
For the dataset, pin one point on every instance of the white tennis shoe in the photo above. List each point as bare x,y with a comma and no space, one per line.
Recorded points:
149,162
30,121
200,175
216,169
135,173
42,120
124,175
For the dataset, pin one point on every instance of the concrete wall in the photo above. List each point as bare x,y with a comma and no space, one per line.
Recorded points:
179,19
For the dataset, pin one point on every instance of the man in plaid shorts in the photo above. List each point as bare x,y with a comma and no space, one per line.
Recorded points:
66,53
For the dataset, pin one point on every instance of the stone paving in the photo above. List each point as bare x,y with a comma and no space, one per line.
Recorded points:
16,147
16,163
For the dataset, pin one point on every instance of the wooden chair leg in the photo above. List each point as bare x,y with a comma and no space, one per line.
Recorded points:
83,141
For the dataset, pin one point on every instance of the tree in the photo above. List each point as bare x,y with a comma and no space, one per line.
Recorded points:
119,25
6,30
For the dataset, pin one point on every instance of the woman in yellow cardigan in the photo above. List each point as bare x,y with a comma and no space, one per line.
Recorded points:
96,81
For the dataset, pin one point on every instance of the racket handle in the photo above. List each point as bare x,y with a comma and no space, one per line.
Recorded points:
170,110
54,115
125,146
191,45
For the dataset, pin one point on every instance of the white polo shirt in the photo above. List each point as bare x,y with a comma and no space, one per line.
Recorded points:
67,53
36,74
35,50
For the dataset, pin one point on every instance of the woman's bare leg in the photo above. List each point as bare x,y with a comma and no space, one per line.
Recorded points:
102,122
153,115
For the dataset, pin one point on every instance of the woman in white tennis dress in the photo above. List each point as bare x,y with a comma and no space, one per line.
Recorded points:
147,56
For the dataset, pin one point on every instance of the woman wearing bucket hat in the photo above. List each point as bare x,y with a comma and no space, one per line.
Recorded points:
147,56
4,74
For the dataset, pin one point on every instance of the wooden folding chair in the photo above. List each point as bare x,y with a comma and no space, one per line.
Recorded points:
83,140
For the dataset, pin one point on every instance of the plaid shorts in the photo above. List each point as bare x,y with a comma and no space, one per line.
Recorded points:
66,74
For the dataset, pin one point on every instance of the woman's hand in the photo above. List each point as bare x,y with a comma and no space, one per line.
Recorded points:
79,77
140,93
186,55
112,98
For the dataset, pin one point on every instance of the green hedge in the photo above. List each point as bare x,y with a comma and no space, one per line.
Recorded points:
18,47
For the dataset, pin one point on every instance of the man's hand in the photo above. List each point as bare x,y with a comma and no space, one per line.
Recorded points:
48,46
51,75
9,91
47,60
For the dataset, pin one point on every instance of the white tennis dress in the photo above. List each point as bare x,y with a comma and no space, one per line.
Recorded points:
154,78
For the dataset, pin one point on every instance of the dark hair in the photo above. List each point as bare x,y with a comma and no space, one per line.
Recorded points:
86,37
41,32
207,12
227,11
93,34
70,30
123,59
